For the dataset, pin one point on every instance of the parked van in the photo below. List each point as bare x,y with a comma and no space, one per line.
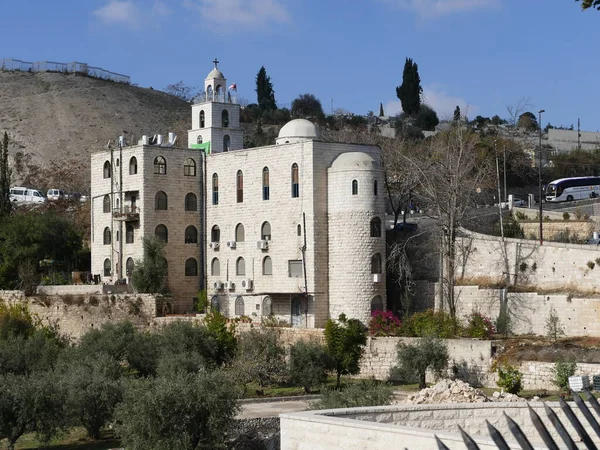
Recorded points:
26,195
55,194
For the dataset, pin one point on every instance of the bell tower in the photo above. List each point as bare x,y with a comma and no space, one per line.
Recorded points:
216,116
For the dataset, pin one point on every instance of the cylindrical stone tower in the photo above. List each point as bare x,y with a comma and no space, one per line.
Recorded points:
356,211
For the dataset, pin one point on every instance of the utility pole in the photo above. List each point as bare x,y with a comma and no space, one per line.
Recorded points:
578,134
504,162
541,212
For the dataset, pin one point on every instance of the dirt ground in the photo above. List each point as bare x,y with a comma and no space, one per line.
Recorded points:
535,348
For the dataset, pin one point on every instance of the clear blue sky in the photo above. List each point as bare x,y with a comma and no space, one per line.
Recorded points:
479,54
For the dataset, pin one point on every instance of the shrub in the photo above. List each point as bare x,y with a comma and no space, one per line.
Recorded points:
591,265
15,320
415,359
512,228
504,323
562,370
24,356
479,326
566,216
345,341
223,334
362,393
384,323
430,323
554,326
521,216
510,379
308,364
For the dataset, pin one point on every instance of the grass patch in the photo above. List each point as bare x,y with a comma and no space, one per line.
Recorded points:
74,439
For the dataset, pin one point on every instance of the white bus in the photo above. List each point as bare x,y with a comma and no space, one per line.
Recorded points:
569,189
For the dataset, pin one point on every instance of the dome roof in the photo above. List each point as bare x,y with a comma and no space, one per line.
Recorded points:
299,128
354,160
215,73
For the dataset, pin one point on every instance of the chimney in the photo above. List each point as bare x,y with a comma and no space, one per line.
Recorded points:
144,140
159,139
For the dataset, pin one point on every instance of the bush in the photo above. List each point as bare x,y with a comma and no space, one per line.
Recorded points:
362,393
345,340
15,320
479,326
566,216
509,379
521,216
308,364
384,323
562,370
512,228
430,323
23,356
554,326
415,359
223,335
182,412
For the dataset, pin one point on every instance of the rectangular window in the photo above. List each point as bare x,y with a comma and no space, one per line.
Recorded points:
295,268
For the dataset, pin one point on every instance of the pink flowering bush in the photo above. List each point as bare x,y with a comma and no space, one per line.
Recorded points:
384,323
479,326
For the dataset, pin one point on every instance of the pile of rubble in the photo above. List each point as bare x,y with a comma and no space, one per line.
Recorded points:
456,391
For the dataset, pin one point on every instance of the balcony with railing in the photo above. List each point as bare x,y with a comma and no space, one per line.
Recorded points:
219,97
127,213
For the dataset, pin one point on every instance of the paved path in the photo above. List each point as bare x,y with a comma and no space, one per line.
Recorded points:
271,409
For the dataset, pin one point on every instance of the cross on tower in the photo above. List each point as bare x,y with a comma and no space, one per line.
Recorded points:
216,61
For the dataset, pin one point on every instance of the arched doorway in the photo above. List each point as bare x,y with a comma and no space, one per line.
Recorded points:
298,308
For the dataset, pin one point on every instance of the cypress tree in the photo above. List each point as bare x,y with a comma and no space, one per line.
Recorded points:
5,173
264,91
381,114
457,114
409,92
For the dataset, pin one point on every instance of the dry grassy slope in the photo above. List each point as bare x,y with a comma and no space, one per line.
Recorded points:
51,115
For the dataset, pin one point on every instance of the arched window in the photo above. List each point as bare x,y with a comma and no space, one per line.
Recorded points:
209,92
107,236
160,201
215,305
106,171
215,234
265,231
376,263
240,267
267,306
199,139
239,306
299,230
191,235
129,266
239,185
240,235
376,304
295,181
107,267
215,267
133,165
106,204
375,187
189,168
161,233
191,202
265,183
225,118
375,227
215,189
267,266
226,143
354,187
191,267
202,119
160,165
129,236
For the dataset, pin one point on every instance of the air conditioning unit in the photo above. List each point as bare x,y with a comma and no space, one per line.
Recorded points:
218,285
214,245
262,245
231,244
230,285
247,284
377,278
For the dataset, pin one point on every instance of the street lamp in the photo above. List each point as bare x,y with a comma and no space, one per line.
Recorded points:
540,173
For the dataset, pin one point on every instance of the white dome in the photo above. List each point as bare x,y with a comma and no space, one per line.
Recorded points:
298,130
354,160
215,73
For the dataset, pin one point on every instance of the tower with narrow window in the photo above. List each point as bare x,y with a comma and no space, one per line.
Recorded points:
216,116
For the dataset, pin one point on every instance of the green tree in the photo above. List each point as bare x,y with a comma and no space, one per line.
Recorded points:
307,106
24,355
308,364
223,335
409,92
181,412
590,4
355,395
345,340
426,119
415,359
5,175
149,274
381,114
264,91
528,121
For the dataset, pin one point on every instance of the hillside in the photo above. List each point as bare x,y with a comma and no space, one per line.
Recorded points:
53,118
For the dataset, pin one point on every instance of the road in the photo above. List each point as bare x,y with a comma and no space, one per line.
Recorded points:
271,409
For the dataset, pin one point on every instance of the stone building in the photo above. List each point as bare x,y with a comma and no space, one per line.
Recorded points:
292,230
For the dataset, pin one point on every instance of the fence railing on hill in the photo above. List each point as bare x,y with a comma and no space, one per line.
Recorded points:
71,67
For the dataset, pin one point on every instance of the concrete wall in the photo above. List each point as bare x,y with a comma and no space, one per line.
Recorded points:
415,427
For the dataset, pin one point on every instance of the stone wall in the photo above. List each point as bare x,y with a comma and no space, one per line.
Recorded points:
539,375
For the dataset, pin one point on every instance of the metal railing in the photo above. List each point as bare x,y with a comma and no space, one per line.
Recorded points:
542,428
221,97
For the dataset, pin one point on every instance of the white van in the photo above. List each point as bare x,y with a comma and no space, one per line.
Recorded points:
55,194
26,195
